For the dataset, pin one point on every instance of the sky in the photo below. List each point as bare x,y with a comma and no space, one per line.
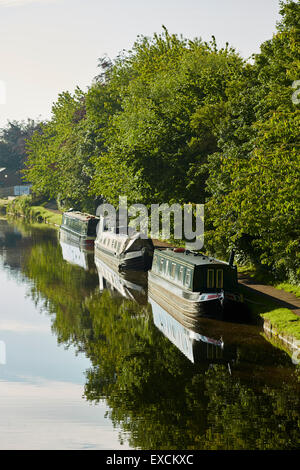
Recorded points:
50,46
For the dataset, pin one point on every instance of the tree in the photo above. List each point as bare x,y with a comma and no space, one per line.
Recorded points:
153,153
13,143
58,163
254,179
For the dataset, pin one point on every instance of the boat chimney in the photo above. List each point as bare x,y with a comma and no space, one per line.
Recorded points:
231,258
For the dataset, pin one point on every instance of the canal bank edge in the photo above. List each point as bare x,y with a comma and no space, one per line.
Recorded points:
281,340
281,326
21,207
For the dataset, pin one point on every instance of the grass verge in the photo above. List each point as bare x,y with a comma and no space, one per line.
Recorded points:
23,206
263,309
285,321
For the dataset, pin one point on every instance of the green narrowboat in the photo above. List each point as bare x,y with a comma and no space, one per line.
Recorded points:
80,228
193,284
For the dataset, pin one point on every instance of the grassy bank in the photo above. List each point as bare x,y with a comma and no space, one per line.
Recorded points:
284,324
23,206
285,321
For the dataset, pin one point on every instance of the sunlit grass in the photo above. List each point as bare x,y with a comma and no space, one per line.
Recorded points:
46,215
284,321
289,288
21,206
263,307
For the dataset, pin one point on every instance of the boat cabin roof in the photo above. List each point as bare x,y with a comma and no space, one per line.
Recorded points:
192,259
113,235
84,217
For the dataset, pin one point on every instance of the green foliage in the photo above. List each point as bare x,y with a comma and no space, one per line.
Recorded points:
175,120
254,180
155,144
58,162
289,288
13,143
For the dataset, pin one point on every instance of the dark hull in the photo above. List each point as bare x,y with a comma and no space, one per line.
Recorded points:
186,312
187,305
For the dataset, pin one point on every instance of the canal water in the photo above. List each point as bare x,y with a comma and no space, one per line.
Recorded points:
89,361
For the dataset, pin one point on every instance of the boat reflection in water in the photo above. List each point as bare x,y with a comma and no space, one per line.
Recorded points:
131,285
74,253
192,342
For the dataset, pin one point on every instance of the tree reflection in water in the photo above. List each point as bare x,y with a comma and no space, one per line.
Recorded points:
160,399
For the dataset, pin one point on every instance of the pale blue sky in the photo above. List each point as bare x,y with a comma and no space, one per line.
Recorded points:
47,46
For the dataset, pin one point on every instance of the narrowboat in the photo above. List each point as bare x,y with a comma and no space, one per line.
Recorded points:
129,284
122,251
192,284
79,228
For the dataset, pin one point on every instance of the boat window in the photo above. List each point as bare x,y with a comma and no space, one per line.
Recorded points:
154,260
173,270
113,244
188,277
162,262
83,228
219,278
210,278
167,267
180,276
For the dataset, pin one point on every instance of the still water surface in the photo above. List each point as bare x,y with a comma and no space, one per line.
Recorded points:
92,363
